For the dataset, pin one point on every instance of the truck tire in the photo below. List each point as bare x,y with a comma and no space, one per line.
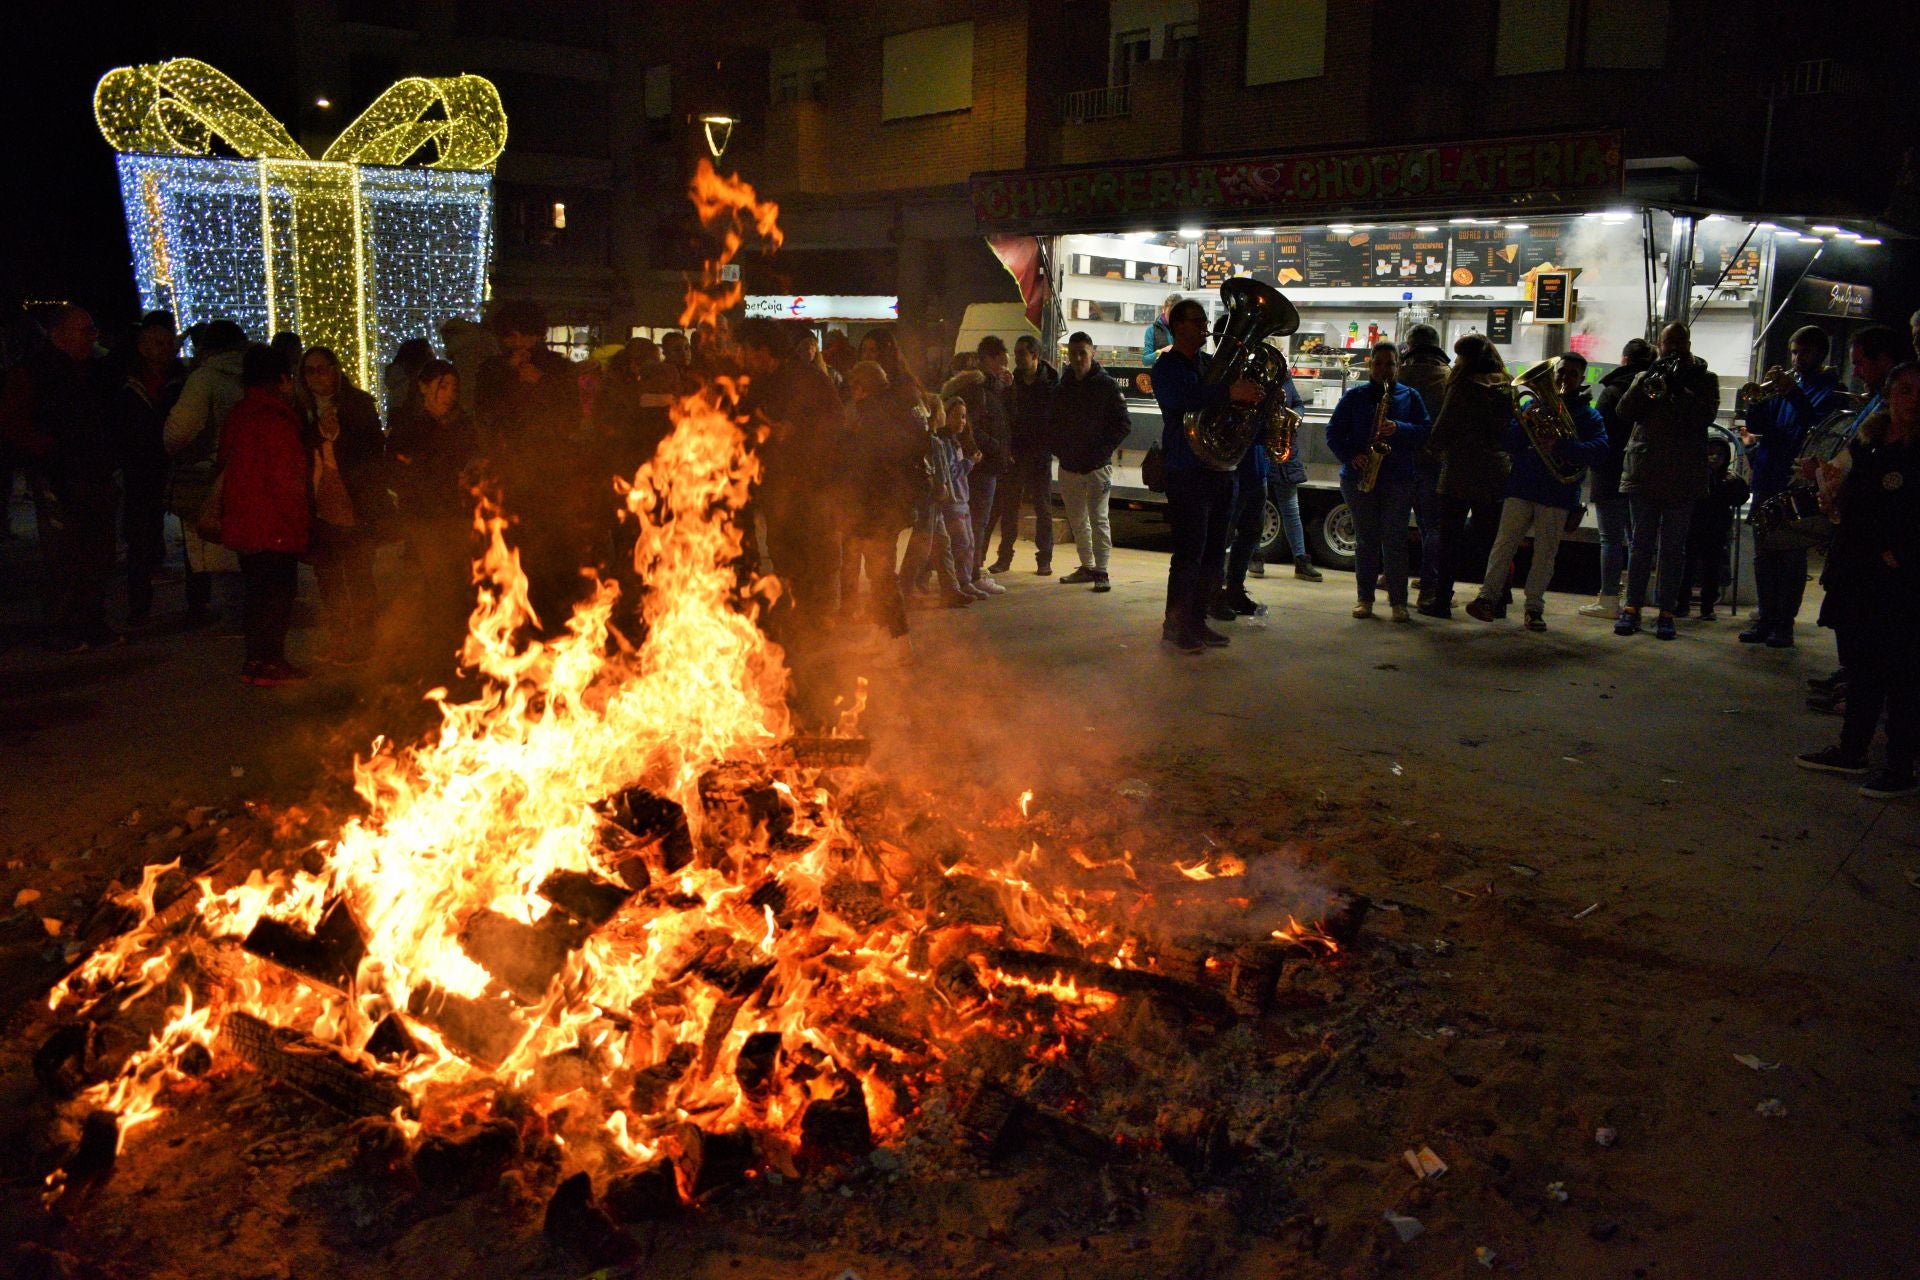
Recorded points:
1272,535
1329,531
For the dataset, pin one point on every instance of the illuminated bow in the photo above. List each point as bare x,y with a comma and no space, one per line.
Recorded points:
179,107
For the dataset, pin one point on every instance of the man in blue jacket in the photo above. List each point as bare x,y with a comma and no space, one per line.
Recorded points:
1537,501
1776,430
1380,515
1250,482
1199,499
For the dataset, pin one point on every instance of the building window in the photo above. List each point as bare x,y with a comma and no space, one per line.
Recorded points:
798,71
1183,40
1286,40
927,72
1626,34
1129,49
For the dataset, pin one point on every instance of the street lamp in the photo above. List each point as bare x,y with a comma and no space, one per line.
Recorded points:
719,130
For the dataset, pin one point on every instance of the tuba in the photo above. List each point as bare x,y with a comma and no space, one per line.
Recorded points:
1255,311
1543,415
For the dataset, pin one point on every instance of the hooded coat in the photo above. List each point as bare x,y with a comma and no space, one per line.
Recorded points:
264,499
1087,420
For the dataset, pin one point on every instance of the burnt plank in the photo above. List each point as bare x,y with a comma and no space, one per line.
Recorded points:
309,1066
526,958
330,955
485,1031
588,899
1047,966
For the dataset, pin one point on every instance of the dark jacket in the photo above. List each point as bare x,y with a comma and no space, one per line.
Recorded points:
800,458
1180,387
1424,368
360,451
1666,458
1603,484
886,464
1712,522
265,496
1087,420
986,420
1532,482
139,423
69,412
1350,429
1779,427
1878,506
1469,441
511,409
1029,421
428,457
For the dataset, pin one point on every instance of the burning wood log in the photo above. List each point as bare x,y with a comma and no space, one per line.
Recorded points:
1044,966
822,751
485,1031
758,1056
525,958
391,1041
835,1130
588,899
330,955
654,822
285,1055
60,1063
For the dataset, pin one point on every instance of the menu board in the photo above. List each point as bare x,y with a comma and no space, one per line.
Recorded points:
1403,256
1485,258
1335,261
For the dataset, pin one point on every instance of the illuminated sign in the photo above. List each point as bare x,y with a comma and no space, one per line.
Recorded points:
823,306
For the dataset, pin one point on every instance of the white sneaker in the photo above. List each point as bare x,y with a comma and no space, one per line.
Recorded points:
989,586
1602,607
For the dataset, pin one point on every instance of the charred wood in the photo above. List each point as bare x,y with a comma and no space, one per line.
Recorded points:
283,1054
822,751
485,1030
391,1041
656,823
835,1130
652,1085
462,1165
526,958
1048,966
575,1222
650,1193
758,1056
330,955
588,899
60,1063
716,1160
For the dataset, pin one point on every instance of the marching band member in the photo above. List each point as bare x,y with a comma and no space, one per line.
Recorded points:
1377,430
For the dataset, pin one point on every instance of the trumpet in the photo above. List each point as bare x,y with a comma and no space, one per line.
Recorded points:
1377,448
1771,386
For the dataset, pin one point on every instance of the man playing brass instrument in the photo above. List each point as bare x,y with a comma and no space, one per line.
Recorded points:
1385,416
1775,431
1199,499
1537,500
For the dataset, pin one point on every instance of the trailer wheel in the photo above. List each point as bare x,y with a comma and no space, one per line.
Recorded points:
1271,533
1330,535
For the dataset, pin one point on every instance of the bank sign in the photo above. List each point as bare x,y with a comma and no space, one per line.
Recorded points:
1549,170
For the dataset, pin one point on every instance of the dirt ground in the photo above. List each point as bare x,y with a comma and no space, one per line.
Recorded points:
1597,879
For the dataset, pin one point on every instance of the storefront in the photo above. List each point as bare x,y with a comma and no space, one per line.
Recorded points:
1459,236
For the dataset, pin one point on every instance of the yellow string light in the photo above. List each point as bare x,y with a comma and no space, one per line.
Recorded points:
350,250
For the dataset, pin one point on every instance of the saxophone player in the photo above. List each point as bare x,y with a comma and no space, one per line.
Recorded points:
1199,499
1381,423
1669,406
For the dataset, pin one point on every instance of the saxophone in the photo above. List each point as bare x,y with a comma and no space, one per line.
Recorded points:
1255,311
1377,448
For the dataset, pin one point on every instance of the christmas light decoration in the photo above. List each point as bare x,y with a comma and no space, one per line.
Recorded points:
352,250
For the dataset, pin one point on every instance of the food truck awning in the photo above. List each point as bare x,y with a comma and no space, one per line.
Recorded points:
1563,172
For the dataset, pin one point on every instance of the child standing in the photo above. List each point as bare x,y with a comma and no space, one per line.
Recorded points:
1710,531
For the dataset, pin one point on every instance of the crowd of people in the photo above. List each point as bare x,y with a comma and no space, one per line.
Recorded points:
1448,446
269,456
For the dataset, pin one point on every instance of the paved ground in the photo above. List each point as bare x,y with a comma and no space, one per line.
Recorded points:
1487,784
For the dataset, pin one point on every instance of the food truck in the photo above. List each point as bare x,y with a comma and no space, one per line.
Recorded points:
1542,244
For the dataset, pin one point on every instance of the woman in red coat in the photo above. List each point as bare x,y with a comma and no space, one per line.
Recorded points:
264,513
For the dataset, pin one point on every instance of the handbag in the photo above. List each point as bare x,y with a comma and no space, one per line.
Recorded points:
1153,469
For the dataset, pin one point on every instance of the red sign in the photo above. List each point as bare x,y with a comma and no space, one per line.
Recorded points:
1556,168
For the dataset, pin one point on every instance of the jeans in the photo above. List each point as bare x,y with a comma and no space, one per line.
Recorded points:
1030,483
83,542
1659,532
1467,531
1380,529
979,497
1086,494
1249,518
1520,519
929,550
343,566
1614,516
271,580
1199,506
1705,564
1287,498
1780,578
876,548
143,524
1881,677
1428,514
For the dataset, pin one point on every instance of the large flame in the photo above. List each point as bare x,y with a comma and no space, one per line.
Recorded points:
639,1028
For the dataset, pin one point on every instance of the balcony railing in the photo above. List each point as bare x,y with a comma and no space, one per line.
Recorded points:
1083,105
